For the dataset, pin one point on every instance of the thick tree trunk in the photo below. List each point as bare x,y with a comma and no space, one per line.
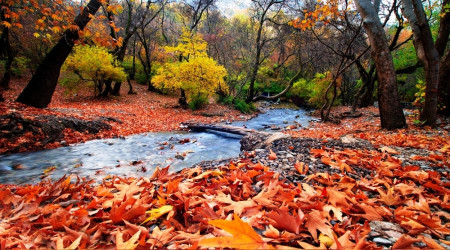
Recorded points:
391,112
39,91
427,55
444,70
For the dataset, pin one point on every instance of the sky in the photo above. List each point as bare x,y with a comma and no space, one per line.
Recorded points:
232,7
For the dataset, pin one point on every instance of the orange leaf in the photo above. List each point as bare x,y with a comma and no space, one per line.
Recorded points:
301,167
315,221
285,221
272,156
243,236
404,242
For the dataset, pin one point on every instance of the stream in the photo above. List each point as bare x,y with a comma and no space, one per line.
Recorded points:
138,155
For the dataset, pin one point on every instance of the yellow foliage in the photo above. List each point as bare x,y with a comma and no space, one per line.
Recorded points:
95,64
198,74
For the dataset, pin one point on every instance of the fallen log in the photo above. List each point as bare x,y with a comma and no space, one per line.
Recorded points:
198,127
265,138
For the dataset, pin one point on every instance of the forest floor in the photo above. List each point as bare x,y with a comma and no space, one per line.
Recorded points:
345,186
85,117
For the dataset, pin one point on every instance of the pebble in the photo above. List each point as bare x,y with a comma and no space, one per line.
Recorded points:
382,241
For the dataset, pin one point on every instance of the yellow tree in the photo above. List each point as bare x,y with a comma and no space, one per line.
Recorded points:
197,74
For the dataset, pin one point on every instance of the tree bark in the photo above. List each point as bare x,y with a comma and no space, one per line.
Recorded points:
39,91
444,70
444,84
427,55
391,112
6,44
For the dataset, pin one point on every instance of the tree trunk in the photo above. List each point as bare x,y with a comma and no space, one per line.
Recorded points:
116,89
182,100
130,90
444,85
391,112
444,29
444,70
107,89
427,55
39,91
6,44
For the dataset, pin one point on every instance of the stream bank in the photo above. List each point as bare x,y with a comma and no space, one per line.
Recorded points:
138,155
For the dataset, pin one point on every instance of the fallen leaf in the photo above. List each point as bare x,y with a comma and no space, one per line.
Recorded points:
158,212
243,236
129,244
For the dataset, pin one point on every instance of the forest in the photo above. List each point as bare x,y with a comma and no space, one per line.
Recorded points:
287,124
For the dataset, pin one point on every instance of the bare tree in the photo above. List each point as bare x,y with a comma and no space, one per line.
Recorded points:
262,9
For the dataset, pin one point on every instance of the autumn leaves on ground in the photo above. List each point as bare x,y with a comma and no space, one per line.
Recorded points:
127,115
241,204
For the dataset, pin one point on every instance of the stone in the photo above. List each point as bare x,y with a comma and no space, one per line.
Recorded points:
275,137
348,139
180,157
386,229
382,241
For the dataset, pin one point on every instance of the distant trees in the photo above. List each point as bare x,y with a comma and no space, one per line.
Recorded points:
265,52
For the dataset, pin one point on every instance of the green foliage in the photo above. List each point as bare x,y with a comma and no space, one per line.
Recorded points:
226,100
273,87
18,67
71,83
20,64
198,101
420,94
302,88
313,90
244,107
197,74
238,104
94,64
141,78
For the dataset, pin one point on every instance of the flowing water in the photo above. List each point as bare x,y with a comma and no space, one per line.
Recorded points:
138,155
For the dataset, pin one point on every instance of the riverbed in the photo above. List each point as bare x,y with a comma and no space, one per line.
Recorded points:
139,155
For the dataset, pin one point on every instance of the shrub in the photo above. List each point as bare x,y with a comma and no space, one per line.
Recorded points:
20,64
197,101
244,107
420,94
